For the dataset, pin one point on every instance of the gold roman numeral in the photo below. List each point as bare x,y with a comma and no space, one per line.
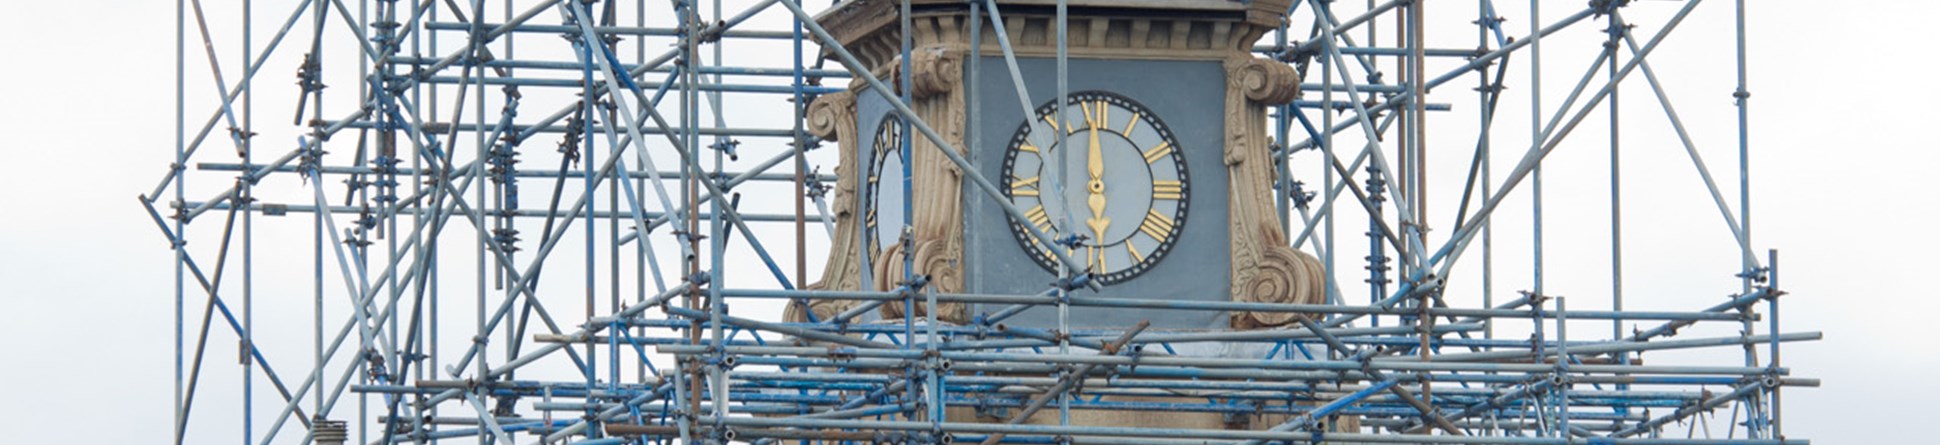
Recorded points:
1027,147
1156,225
1164,189
1136,258
1037,217
1054,123
1104,113
1024,187
1130,125
1158,152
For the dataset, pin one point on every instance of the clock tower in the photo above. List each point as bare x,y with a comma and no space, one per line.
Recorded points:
1157,178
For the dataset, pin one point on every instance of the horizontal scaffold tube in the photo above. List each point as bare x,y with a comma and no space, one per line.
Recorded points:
563,65
1274,335
1622,346
574,175
1207,362
529,128
1175,303
1230,435
276,208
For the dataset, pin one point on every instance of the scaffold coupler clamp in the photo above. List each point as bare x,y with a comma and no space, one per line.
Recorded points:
728,146
816,189
912,286
1069,283
1297,191
1756,274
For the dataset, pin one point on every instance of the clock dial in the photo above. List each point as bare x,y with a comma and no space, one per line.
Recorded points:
883,220
1125,188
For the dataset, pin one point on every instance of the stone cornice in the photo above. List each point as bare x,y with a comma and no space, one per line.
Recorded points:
1118,29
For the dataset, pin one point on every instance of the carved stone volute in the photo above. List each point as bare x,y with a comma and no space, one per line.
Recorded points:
937,221
827,112
1267,82
1265,269
832,117
937,71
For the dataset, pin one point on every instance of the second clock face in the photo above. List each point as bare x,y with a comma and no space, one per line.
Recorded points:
884,193
1125,186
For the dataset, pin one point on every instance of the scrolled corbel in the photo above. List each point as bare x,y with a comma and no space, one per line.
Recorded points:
1267,81
832,117
936,71
826,112
1283,276
934,258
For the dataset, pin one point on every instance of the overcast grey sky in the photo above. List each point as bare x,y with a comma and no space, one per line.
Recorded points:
1843,122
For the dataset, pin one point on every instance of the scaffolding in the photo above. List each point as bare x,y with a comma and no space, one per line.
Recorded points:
384,235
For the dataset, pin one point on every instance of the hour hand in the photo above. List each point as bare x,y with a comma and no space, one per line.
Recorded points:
1098,224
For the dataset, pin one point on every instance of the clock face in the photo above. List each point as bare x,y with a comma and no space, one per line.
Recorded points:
1125,187
884,193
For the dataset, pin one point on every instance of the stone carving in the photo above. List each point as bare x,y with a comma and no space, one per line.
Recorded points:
1265,269
937,222
832,117
936,71
826,114
939,260
1267,82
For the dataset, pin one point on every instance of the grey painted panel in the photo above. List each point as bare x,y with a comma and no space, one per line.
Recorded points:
1189,97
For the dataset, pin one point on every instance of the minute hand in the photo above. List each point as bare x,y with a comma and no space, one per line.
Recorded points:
1096,165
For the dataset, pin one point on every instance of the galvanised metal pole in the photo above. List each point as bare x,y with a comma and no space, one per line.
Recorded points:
1615,31
1536,137
1772,307
1750,265
1327,159
248,336
582,15
1491,95
687,380
1063,127
426,283
181,158
1563,358
1048,299
801,141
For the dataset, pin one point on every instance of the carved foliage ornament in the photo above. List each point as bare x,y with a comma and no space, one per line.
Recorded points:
1264,268
937,228
832,117
937,222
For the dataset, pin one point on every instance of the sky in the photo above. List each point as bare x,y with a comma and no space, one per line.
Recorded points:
1841,134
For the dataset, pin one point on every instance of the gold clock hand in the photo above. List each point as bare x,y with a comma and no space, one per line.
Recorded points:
1097,163
1096,166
